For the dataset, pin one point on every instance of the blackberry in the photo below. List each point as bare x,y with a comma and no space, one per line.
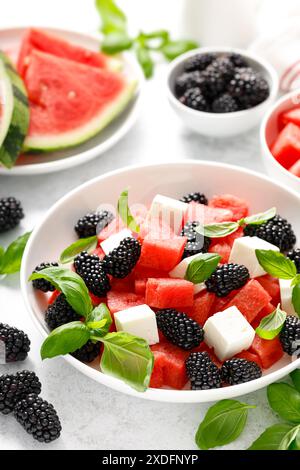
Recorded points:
185,81
179,328
17,343
14,388
92,223
121,261
277,231
227,278
59,313
294,255
202,372
38,418
11,212
194,98
43,284
225,104
237,371
290,336
248,87
199,62
88,352
91,269
216,78
194,197
196,242
237,60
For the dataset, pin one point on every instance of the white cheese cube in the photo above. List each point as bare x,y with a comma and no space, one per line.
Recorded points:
243,252
180,270
139,321
114,240
286,291
228,333
169,211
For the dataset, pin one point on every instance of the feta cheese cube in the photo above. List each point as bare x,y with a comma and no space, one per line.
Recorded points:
286,291
243,252
114,240
180,270
169,211
139,321
228,333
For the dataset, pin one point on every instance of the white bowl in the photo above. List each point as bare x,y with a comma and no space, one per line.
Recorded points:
223,124
268,133
55,232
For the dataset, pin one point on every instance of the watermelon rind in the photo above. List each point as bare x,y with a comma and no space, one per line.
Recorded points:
50,143
15,117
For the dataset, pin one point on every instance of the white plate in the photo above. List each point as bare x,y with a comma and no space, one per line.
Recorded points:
55,161
55,232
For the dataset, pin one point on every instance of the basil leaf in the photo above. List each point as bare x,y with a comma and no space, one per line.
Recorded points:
65,339
71,285
145,60
11,259
271,325
128,358
295,445
276,437
295,376
2,251
125,214
296,298
218,230
223,423
87,244
155,40
173,49
113,19
276,264
99,314
202,267
285,400
116,42
260,218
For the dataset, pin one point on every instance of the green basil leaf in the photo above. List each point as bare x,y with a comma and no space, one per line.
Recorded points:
271,325
125,214
113,19
145,60
2,251
260,218
295,445
11,259
173,49
154,40
276,264
202,267
71,285
87,244
276,437
296,298
285,400
223,423
116,42
99,314
96,325
218,230
128,358
295,376
65,339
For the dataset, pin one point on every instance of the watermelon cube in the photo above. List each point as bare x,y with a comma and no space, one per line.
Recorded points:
155,228
162,254
122,285
269,351
202,307
237,206
157,376
250,299
169,293
140,272
207,215
292,115
271,285
221,248
97,300
286,148
117,301
262,314
172,363
140,286
250,356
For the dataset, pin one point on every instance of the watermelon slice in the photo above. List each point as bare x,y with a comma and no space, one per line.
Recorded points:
140,286
271,285
171,365
286,148
163,254
250,356
117,301
269,351
169,293
71,102
223,249
202,306
262,314
237,206
293,115
207,215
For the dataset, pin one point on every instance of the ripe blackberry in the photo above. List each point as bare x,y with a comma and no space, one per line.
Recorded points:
14,388
294,255
92,223
179,328
91,269
194,197
237,60
88,352
227,278
198,62
290,336
202,372
216,78
248,87
121,261
277,231
185,81
38,418
194,98
43,284
17,343
11,212
225,104
196,242
59,313
238,371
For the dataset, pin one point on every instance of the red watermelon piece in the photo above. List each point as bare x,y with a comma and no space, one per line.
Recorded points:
117,301
169,293
295,169
122,285
156,229
271,285
97,300
286,148
157,376
269,351
293,116
250,356
99,252
204,348
162,254
262,314
201,309
237,206
172,364
140,272
207,215
250,299
140,286
223,249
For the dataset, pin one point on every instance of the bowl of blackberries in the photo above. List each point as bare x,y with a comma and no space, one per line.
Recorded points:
221,92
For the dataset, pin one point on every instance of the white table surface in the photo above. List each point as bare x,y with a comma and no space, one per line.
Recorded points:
95,417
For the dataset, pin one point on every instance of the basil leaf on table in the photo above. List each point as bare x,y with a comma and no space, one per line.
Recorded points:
173,49
116,42
10,261
202,267
260,218
65,339
295,376
99,314
276,264
285,401
296,298
276,437
271,325
113,18
218,230
125,213
87,244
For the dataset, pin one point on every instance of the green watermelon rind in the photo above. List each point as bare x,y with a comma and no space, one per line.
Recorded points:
16,123
51,143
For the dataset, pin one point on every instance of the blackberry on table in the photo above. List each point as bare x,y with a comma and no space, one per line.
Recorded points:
202,372
14,388
121,261
249,87
59,313
92,223
43,284
179,329
225,104
199,62
290,336
237,371
91,269
185,81
194,197
38,418
17,343
227,278
194,98
277,231
11,212
196,242
88,352
294,255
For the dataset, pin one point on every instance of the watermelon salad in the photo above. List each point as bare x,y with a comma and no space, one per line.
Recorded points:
193,278
58,95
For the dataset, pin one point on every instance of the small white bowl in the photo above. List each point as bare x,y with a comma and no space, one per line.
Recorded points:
55,232
221,124
268,133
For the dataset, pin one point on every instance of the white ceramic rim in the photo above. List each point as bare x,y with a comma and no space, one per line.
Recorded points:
90,154
163,395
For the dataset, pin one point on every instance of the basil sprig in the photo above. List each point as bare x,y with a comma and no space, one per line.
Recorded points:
202,267
11,258
69,253
125,213
271,325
